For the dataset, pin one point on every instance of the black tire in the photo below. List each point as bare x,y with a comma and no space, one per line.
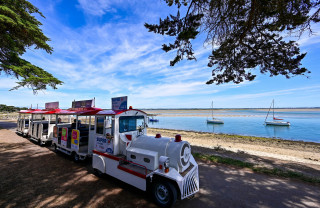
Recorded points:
98,173
55,148
75,157
40,142
164,193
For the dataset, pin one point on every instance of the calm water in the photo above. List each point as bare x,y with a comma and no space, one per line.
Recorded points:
305,125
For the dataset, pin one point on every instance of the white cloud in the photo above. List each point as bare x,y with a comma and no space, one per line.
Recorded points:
95,7
170,89
7,83
310,39
272,93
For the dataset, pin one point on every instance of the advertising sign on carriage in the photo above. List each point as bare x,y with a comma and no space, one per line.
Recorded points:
75,139
83,104
52,105
64,137
104,145
55,134
119,103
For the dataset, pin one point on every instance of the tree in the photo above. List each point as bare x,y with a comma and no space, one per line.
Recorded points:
5,108
19,30
245,35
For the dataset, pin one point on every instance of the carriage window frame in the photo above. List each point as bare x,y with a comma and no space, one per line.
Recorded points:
99,125
129,123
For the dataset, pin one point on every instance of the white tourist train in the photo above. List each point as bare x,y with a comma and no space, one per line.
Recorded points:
119,146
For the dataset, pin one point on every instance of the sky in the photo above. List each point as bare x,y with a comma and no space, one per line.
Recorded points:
102,50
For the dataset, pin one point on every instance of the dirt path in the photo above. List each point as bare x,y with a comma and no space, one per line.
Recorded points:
33,176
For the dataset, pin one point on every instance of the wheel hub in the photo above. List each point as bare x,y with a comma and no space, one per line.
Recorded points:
162,193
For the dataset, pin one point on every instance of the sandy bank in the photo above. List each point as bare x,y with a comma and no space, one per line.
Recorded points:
292,155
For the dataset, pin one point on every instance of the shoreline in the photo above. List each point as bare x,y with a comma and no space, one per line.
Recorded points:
238,136
298,156
222,112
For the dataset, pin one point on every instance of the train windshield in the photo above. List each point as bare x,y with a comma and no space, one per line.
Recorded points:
130,123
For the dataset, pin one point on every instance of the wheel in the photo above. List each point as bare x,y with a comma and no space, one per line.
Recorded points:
75,157
55,148
40,142
98,173
164,193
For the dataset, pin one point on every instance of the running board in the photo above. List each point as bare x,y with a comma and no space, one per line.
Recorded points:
63,150
34,139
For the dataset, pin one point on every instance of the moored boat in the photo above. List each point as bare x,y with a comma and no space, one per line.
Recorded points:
275,121
214,120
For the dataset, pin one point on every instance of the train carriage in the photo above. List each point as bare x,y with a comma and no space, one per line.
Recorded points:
42,123
72,138
24,120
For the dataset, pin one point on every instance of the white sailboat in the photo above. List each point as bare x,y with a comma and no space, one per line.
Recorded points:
275,121
214,120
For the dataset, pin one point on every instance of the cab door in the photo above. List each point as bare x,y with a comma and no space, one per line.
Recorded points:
98,134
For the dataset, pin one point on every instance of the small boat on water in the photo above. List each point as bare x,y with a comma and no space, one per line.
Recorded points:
275,121
153,119
214,120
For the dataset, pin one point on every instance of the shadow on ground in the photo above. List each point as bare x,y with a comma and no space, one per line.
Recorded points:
33,176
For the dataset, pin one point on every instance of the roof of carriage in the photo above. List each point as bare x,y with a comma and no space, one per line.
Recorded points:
116,112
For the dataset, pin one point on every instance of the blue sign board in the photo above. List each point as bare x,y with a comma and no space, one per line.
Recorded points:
119,103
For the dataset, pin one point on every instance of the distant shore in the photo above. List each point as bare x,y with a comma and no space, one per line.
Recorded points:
218,112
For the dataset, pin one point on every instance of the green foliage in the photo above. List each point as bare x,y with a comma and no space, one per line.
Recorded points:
20,31
5,108
245,35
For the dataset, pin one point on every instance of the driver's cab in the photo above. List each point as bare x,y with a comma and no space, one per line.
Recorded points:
114,130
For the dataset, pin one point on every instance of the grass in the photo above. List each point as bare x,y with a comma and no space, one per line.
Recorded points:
264,170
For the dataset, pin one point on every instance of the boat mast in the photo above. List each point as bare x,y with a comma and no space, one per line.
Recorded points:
273,108
212,109
268,112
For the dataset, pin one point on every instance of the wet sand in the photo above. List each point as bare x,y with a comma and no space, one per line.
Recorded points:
297,156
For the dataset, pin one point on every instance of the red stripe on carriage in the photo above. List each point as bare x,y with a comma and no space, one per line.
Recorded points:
106,155
132,172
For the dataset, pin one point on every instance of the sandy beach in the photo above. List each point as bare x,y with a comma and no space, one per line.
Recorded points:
303,157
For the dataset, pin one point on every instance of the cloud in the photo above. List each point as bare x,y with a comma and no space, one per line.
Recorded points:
310,39
96,7
273,93
170,89
7,83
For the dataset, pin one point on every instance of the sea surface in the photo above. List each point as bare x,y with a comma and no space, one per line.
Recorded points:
305,125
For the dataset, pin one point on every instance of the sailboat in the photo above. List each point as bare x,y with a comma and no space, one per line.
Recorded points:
275,121
214,120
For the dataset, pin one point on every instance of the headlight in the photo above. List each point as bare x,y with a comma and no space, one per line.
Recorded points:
166,163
